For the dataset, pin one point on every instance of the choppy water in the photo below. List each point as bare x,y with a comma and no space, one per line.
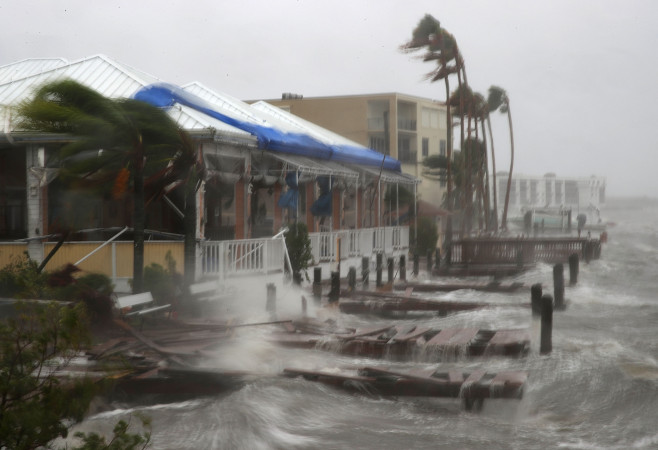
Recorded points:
597,389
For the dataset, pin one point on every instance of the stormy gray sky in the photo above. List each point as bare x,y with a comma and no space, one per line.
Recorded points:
581,75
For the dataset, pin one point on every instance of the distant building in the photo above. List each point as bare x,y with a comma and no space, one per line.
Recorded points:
582,195
406,127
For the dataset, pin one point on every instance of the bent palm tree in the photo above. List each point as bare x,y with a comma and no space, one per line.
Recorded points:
114,141
439,46
498,100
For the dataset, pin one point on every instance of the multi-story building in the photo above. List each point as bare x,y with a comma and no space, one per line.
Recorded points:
405,127
580,195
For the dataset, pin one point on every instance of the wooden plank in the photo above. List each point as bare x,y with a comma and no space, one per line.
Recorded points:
413,334
511,379
365,332
442,337
455,376
474,377
422,375
464,336
507,337
453,336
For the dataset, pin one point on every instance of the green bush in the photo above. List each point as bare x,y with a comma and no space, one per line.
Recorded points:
163,283
299,250
428,236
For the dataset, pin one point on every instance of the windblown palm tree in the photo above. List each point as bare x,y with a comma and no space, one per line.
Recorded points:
439,46
113,143
498,100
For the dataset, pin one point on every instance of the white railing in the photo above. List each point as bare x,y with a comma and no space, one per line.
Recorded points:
262,256
243,257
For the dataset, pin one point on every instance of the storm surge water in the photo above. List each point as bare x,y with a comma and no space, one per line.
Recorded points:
597,389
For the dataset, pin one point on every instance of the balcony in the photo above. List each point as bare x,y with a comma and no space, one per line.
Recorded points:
406,124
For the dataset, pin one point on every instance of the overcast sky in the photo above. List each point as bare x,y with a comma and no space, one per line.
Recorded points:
582,76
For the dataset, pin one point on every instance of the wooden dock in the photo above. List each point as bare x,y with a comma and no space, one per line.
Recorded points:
426,382
409,341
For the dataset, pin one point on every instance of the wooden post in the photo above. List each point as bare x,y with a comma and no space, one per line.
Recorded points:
351,278
403,268
365,269
270,305
573,269
429,263
391,265
334,294
437,258
535,299
379,269
546,344
303,306
317,284
558,285
416,263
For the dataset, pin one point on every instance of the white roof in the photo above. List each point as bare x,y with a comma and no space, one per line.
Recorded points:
109,78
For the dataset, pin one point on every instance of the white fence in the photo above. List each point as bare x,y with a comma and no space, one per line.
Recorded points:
263,256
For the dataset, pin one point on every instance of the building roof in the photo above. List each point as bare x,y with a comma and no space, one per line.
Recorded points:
100,73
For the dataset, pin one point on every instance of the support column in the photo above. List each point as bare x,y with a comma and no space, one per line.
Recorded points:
335,209
240,209
34,159
310,198
278,211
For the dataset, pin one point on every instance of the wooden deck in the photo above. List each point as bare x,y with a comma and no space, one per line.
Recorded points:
426,382
404,342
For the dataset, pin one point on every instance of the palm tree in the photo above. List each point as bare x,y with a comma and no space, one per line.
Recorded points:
498,100
439,46
114,141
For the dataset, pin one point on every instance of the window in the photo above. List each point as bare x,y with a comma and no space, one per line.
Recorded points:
430,118
378,143
426,147
442,147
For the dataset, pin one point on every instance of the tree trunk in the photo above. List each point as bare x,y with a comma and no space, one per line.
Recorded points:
138,222
493,170
189,226
511,167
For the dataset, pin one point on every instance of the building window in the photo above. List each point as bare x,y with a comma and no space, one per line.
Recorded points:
405,152
426,147
442,147
378,143
430,118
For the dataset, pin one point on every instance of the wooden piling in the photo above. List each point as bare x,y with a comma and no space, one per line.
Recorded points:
379,270
546,344
304,306
416,264
429,262
573,269
317,284
334,293
558,285
270,305
535,299
365,269
391,265
437,258
403,268
351,278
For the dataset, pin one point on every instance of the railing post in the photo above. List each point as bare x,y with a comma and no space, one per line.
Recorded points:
558,285
390,269
403,268
365,269
379,269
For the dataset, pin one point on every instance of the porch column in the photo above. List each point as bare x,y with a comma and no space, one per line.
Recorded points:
310,198
278,211
34,159
240,209
336,209
200,228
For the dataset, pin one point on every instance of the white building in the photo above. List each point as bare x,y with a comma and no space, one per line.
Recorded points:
581,195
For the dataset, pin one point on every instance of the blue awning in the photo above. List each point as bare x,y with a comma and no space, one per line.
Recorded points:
269,137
